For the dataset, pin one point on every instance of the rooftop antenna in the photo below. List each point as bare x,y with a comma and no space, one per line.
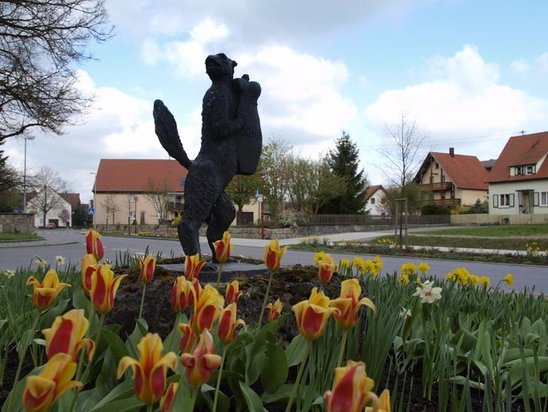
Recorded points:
522,132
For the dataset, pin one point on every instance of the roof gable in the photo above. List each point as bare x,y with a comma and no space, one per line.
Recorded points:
521,150
137,175
371,190
466,172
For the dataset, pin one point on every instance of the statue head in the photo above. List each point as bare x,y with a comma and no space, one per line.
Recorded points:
219,66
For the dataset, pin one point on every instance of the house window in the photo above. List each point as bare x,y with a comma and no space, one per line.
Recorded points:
525,170
543,198
504,200
372,200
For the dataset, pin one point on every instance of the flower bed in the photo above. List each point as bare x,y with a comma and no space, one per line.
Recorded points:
323,336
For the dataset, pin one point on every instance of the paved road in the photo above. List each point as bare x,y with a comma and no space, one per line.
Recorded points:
70,244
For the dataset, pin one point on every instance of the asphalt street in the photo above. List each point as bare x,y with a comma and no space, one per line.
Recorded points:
70,244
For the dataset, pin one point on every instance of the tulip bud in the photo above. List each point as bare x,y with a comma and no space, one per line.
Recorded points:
184,293
273,255
228,324
274,310
94,244
206,309
188,338
146,268
232,294
88,268
167,400
222,248
193,266
348,303
351,389
103,288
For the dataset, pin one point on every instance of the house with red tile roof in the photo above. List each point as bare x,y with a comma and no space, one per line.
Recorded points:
375,199
518,182
452,179
144,191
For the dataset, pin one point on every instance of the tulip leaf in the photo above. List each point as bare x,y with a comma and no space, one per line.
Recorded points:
296,351
223,403
533,367
48,317
115,344
253,401
122,405
123,390
281,394
275,369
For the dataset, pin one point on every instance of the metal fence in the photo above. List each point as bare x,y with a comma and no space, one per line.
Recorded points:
371,220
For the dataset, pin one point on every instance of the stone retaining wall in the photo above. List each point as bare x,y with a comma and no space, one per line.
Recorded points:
17,223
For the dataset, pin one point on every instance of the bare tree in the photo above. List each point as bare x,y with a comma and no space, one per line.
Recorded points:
41,43
111,207
47,185
403,157
275,161
159,197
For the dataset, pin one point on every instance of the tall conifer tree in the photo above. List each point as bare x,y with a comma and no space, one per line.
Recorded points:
344,163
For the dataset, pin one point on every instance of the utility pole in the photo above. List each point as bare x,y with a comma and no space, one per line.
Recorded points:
25,174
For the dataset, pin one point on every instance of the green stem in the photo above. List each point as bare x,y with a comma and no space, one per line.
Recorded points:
142,300
342,348
265,297
150,408
172,334
219,271
193,399
97,342
219,381
25,348
299,376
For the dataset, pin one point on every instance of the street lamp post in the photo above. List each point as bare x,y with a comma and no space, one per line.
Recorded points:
25,174
94,190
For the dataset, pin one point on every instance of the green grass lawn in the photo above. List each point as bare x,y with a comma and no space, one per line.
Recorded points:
477,242
503,230
18,237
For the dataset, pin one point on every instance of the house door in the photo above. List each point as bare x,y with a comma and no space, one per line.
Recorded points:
525,202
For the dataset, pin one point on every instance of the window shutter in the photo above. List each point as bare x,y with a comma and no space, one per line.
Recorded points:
535,199
495,200
511,200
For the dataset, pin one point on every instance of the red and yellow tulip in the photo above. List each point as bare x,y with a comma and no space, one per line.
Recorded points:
274,310
273,255
222,248
88,268
44,293
348,303
166,402
228,324
66,335
206,309
312,314
232,293
43,390
188,338
383,404
193,266
202,362
150,369
184,293
351,389
146,268
94,244
103,288
326,268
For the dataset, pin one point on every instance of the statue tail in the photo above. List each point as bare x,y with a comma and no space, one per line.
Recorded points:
166,130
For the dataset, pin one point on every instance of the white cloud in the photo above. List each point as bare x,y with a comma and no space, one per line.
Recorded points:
466,98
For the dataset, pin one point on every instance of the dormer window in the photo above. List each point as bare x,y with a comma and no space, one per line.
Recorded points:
524,170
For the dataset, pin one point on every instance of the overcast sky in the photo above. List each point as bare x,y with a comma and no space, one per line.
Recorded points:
470,73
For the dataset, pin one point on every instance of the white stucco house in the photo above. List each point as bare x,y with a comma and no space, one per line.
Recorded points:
518,182
375,200
56,206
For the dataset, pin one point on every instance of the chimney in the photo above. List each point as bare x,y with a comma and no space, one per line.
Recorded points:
452,151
